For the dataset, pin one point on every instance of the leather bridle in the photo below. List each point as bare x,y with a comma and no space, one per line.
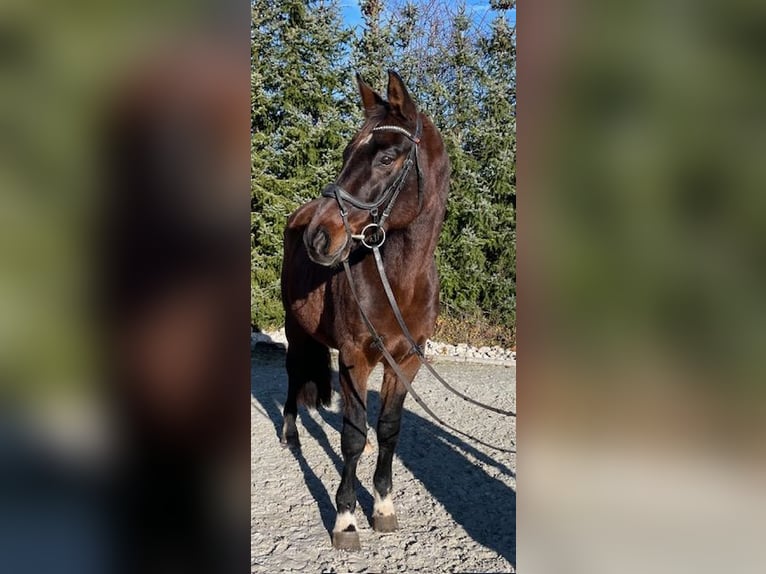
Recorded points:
373,234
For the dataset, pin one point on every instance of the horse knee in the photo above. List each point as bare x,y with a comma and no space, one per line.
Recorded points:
353,438
388,430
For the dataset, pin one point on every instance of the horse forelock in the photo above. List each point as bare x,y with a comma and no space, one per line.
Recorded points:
364,135
381,116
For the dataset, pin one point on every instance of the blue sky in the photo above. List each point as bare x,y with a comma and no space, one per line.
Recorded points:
352,15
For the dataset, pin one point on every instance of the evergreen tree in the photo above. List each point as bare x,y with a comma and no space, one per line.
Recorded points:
463,253
303,112
373,50
494,148
461,71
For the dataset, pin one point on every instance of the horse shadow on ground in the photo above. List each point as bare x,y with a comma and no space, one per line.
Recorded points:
482,504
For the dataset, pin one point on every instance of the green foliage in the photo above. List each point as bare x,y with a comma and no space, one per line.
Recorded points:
302,115
477,253
305,109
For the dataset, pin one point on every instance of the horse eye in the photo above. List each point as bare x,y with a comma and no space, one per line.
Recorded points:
386,160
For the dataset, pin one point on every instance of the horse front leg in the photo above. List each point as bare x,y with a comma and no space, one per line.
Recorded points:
354,372
393,394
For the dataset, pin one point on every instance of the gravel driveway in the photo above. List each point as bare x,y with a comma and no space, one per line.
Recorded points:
455,501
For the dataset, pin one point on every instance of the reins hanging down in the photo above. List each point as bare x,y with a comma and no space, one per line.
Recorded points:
415,347
373,236
378,341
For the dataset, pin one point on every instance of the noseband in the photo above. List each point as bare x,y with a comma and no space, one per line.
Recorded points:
373,234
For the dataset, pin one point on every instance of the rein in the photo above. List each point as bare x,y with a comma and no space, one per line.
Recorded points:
378,342
373,236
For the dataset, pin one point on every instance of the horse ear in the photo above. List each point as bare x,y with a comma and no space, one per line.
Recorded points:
371,100
302,216
398,97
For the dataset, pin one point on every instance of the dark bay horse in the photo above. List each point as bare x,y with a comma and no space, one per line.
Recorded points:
391,192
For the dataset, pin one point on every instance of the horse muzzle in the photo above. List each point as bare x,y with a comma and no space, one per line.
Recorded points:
319,242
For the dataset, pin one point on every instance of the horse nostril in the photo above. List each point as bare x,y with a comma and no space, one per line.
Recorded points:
321,240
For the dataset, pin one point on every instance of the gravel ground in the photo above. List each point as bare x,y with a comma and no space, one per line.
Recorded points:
455,501
441,351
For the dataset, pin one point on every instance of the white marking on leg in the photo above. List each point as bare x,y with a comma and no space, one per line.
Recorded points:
343,521
285,428
383,506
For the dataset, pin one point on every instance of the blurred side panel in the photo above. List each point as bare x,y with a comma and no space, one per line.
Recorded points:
642,320
124,354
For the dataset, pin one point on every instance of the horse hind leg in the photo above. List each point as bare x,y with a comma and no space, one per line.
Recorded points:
289,429
309,383
393,394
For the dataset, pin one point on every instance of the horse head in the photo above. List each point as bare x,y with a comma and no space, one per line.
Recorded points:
380,187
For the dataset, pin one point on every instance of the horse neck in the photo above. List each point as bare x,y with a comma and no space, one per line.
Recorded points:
412,248
415,244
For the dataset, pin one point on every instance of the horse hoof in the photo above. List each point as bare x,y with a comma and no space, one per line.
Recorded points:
291,442
346,540
385,523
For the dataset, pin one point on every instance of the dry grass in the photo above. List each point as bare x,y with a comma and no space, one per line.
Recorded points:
475,331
